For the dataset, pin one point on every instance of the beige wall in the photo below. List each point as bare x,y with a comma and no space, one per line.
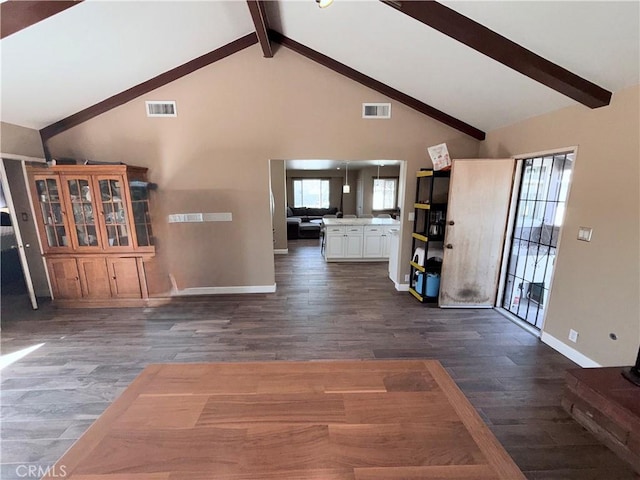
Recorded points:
596,289
233,116
20,140
278,190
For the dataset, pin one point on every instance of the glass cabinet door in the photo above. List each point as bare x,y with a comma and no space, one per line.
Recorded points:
114,212
84,214
52,213
140,207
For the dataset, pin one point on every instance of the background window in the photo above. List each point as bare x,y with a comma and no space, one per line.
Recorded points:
311,192
384,193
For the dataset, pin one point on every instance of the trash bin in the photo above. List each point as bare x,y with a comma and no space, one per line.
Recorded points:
433,284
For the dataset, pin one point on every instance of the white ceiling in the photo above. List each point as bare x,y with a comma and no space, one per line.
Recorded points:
423,63
97,49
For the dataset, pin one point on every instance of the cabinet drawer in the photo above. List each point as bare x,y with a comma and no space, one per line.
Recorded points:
374,229
353,229
335,229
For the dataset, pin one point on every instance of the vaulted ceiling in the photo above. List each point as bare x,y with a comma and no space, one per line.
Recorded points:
94,50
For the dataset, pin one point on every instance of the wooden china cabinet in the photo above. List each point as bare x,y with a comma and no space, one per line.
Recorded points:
95,232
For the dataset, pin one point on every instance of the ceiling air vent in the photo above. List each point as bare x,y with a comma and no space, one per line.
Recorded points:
376,110
161,109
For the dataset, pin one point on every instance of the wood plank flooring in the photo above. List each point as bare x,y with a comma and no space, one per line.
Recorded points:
319,312
347,420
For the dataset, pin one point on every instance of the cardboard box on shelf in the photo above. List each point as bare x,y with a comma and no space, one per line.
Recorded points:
440,157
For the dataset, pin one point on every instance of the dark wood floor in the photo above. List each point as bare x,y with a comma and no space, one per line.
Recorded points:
320,311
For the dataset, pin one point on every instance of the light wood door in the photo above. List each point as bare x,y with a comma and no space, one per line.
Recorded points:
94,277
65,279
124,277
479,198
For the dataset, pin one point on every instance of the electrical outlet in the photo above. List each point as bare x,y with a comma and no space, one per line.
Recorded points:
411,217
406,278
573,336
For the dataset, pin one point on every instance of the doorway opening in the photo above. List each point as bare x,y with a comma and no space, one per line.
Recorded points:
543,192
305,191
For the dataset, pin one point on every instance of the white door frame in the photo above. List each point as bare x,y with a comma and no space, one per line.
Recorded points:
509,239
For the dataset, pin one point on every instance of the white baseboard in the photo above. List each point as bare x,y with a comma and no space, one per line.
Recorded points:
226,290
402,287
281,251
567,351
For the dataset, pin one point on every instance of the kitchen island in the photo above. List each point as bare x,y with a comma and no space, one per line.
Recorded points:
359,239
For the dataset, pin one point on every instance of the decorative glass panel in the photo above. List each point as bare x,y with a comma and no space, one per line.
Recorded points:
83,212
115,215
51,208
140,208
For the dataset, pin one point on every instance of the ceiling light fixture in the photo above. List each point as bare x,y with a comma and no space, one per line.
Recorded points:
346,188
324,3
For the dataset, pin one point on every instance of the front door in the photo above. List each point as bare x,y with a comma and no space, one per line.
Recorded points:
479,198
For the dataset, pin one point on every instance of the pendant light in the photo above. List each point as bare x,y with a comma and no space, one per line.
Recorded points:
324,3
346,188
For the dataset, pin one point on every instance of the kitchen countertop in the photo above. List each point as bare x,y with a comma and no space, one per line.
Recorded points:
360,221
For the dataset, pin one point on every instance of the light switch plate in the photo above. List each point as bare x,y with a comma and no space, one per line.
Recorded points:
584,234
411,217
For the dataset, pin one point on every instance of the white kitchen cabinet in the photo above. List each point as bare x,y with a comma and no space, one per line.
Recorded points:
361,239
386,242
373,242
353,242
335,244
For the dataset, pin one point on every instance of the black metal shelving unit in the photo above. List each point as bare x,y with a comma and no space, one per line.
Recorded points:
430,212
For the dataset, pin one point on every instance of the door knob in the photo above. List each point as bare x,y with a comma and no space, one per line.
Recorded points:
452,222
449,246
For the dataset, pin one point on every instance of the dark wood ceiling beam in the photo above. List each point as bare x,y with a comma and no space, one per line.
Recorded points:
16,15
145,87
261,22
503,50
376,85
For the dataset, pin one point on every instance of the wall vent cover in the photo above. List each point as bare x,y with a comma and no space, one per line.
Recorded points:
376,110
161,109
